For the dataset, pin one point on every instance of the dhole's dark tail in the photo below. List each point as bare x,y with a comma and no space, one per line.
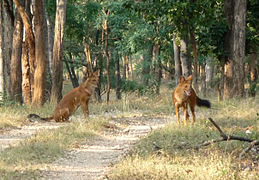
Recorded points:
202,102
33,117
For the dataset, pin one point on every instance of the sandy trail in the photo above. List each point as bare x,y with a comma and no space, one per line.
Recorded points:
94,160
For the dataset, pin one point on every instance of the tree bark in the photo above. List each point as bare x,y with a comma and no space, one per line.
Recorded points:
57,69
195,63
105,31
234,44
158,68
41,58
8,27
177,61
184,57
16,71
118,77
253,73
2,84
239,41
28,77
87,51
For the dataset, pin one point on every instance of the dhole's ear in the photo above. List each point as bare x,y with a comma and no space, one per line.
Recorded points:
189,78
181,79
96,73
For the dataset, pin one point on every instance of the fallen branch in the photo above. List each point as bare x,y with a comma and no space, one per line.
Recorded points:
225,137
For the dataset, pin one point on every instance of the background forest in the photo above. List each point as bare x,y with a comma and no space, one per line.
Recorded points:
141,47
137,45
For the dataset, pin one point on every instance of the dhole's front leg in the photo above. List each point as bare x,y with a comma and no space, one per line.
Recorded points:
177,114
186,115
84,106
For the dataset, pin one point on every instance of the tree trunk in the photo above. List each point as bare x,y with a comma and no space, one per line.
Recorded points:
8,26
72,76
41,58
2,84
158,68
238,48
30,49
57,69
99,64
16,71
234,44
195,63
146,65
178,69
209,71
87,51
118,77
203,79
253,73
105,30
49,39
184,57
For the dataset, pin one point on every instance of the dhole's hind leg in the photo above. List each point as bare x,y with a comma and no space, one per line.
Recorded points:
193,114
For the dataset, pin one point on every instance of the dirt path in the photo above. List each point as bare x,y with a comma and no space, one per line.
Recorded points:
14,136
93,160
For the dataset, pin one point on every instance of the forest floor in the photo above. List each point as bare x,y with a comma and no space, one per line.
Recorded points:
93,159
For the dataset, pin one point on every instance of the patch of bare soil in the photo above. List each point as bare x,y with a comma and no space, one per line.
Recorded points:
93,160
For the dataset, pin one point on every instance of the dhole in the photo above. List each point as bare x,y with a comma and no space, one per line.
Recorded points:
184,95
79,96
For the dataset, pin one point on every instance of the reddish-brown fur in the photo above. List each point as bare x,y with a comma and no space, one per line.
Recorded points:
183,96
79,96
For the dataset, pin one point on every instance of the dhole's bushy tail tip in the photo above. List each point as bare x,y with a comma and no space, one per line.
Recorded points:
32,117
203,102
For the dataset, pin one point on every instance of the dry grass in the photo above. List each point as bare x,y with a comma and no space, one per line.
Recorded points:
177,158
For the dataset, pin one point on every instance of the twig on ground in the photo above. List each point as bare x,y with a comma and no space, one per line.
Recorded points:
225,137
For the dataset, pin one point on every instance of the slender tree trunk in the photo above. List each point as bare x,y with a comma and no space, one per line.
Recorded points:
184,57
209,72
2,84
16,71
30,49
253,73
87,51
41,58
50,42
48,52
57,69
118,77
158,71
195,64
99,63
203,80
72,75
105,30
8,26
178,69
26,84
146,65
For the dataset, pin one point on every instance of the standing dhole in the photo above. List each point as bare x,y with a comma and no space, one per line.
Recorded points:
184,95
79,96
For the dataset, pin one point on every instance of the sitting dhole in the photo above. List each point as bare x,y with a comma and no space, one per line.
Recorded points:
79,96
184,95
